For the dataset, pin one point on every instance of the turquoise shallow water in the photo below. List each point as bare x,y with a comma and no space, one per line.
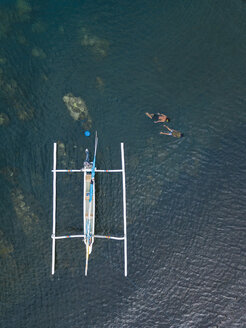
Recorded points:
185,198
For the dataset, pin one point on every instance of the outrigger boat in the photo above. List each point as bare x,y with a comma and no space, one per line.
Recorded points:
89,202
89,170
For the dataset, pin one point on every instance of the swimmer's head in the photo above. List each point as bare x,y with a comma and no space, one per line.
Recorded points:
167,119
177,134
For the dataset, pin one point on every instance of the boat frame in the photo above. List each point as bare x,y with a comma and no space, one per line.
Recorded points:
86,204
87,177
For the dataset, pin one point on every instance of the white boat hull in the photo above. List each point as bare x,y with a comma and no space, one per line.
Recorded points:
89,222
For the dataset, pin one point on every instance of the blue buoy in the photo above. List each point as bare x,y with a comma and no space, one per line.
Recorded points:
87,133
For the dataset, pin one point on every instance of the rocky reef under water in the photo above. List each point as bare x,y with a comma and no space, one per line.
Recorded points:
4,119
98,46
78,109
14,96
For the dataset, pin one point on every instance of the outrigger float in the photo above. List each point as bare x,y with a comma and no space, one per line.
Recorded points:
89,203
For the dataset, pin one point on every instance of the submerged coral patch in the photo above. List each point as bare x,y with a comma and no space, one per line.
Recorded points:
4,119
23,8
99,83
24,213
5,247
39,53
3,60
77,108
98,46
25,115
38,27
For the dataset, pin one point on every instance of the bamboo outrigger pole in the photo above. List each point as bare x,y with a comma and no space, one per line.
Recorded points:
124,204
54,212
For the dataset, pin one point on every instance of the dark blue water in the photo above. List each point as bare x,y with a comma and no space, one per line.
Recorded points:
186,198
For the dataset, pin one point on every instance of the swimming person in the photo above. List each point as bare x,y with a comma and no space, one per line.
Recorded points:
174,133
158,118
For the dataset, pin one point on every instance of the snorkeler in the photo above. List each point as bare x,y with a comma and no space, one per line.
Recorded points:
174,133
158,118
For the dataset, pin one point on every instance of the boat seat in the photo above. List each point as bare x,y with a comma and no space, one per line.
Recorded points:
88,177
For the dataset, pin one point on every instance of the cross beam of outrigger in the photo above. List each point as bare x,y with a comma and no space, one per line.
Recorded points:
89,170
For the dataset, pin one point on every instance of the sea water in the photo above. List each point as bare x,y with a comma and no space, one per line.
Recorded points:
186,198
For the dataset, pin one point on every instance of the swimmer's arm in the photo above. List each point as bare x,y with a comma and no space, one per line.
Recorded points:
149,115
167,134
167,127
157,121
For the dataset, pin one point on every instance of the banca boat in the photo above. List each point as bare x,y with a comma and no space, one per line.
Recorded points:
89,204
